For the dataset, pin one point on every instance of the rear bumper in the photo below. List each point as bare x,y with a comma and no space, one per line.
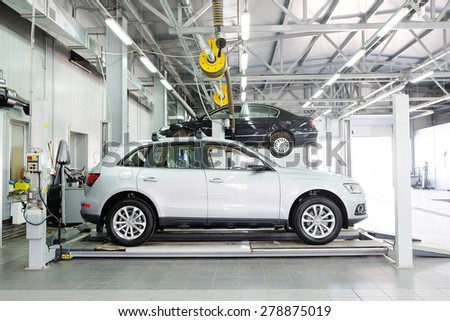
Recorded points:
91,213
92,218
302,138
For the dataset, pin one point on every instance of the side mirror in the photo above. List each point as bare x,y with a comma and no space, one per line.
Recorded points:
257,168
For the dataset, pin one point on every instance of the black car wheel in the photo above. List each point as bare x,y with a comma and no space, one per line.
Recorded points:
317,220
130,222
280,144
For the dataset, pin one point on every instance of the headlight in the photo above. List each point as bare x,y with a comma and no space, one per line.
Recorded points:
164,128
353,188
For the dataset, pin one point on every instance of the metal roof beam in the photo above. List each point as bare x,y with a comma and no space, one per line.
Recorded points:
287,11
151,40
347,40
314,28
198,14
441,16
359,77
329,6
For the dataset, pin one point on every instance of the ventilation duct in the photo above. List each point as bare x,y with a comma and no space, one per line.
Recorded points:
50,17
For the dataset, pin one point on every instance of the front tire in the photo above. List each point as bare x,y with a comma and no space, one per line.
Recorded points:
280,144
317,220
130,222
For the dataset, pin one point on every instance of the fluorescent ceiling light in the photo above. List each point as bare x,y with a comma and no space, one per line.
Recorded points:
306,104
147,63
166,84
422,77
244,61
332,79
432,59
317,94
351,106
355,58
392,22
326,112
243,96
373,101
245,26
386,94
243,82
380,89
318,117
425,113
117,29
431,102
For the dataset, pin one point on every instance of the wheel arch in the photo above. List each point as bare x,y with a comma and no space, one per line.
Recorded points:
281,130
320,192
127,195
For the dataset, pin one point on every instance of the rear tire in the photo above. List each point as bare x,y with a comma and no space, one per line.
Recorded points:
317,220
281,144
130,222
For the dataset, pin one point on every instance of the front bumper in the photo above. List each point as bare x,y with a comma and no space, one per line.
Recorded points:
356,208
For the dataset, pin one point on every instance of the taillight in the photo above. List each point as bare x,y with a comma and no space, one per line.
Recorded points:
311,122
91,178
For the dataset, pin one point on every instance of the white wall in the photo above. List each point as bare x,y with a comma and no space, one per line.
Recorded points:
371,153
69,98
372,162
140,121
432,145
76,102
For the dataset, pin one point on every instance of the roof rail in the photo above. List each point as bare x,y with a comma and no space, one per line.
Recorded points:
199,134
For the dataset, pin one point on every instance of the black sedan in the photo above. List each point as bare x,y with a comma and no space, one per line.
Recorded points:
257,125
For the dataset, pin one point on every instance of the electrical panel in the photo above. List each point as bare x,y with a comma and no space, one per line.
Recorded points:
34,162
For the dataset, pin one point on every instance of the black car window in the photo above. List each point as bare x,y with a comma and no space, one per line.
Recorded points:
224,113
262,112
229,157
175,155
136,158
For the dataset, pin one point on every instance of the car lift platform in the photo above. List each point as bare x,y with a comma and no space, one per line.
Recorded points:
226,243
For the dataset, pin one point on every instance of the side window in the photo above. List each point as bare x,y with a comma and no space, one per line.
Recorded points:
262,112
173,156
229,157
136,158
223,114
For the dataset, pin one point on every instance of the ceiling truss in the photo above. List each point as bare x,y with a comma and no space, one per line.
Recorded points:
295,47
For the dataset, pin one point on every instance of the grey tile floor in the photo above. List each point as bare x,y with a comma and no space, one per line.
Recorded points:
316,278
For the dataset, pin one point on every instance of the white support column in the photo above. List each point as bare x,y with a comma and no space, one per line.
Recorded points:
116,80
345,135
160,110
402,186
2,176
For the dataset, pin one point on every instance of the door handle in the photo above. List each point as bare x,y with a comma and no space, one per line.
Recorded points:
151,179
216,180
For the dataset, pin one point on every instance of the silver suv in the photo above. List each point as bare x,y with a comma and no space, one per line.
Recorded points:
214,183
